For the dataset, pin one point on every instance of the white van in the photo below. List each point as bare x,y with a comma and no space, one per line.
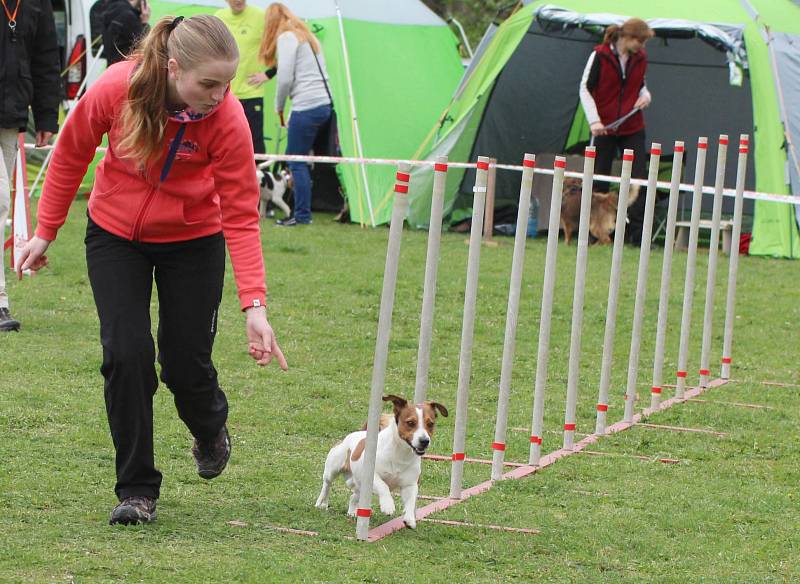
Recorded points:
80,46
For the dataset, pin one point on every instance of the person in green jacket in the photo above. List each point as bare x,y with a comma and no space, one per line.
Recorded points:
246,24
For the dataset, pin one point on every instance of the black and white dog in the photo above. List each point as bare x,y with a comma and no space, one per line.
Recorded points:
274,187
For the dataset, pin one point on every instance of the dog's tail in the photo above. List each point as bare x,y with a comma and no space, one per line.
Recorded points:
633,194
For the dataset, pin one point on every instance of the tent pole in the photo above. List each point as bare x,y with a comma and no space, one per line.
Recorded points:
359,149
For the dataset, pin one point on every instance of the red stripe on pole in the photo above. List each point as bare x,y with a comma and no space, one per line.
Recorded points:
483,165
536,440
403,176
702,145
560,163
678,148
529,163
682,374
569,426
590,153
602,407
459,456
705,372
723,141
398,188
726,360
440,167
655,152
498,446
656,389
743,150
627,157
745,140
363,512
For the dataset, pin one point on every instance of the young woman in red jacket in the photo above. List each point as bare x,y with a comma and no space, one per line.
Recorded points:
177,184
613,85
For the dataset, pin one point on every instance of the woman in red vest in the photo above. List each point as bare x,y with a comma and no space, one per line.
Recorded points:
613,85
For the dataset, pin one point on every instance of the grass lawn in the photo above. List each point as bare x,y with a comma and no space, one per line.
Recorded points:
728,512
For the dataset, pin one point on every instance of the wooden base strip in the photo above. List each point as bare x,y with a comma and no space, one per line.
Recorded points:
682,429
482,526
637,456
440,458
736,404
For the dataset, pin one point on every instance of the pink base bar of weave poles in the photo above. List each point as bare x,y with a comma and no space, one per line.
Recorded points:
390,527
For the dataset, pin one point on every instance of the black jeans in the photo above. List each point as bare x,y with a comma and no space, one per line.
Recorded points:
189,277
611,147
254,112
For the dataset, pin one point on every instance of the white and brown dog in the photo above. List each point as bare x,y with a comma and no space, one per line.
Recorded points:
273,188
403,439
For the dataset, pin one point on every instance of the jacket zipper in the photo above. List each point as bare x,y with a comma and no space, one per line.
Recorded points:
173,149
137,226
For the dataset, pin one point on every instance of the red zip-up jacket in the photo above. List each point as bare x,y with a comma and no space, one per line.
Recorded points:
211,185
615,94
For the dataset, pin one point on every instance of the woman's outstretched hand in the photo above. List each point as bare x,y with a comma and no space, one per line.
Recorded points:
261,342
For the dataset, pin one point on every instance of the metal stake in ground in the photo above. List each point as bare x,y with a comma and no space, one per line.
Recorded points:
613,292
543,352
713,254
468,326
691,260
399,211
641,282
578,298
733,269
666,275
429,291
509,343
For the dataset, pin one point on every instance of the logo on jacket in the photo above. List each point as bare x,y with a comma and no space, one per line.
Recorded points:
186,150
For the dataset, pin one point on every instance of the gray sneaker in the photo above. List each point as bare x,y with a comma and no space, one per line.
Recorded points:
7,323
212,457
133,511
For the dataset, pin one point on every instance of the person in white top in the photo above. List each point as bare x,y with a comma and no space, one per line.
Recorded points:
302,77
613,94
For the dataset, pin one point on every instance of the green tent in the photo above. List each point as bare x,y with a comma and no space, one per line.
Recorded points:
727,66
393,65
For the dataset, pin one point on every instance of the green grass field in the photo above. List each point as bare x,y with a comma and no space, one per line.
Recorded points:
728,512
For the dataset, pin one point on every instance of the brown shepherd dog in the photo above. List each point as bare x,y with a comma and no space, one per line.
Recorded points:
603,216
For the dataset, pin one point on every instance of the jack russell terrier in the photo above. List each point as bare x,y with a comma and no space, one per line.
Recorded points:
273,188
403,439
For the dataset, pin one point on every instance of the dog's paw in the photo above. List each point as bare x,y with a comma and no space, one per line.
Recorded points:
351,512
321,505
410,522
387,507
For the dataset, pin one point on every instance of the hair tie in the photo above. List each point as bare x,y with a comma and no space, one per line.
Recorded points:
175,22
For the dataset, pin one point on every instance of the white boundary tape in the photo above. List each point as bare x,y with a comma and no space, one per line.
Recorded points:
708,190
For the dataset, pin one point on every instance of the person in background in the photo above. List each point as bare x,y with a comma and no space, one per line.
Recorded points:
28,44
177,184
124,23
246,24
290,45
613,84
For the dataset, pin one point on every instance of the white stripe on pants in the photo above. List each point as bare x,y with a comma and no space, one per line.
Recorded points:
8,145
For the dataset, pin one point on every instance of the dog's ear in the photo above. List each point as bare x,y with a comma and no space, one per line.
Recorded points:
398,402
437,407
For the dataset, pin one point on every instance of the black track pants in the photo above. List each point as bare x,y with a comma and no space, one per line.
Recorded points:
189,277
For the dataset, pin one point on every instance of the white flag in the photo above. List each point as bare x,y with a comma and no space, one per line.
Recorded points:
21,212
